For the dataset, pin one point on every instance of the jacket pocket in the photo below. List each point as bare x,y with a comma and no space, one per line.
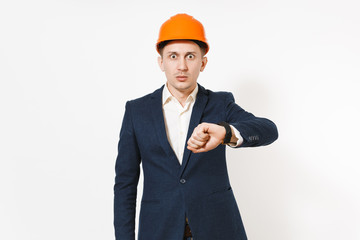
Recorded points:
222,190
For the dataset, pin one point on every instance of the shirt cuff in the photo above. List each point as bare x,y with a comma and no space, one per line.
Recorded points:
238,136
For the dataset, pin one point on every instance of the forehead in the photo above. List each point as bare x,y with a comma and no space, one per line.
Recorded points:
182,46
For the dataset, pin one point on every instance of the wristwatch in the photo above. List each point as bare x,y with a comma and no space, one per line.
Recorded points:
228,134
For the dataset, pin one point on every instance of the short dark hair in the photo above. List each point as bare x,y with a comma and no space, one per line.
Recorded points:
203,46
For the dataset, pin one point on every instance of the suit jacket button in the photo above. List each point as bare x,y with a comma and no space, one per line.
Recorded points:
182,181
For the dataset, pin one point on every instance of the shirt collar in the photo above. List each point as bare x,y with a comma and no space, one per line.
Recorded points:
166,95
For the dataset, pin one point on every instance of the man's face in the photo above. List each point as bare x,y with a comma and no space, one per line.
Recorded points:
182,62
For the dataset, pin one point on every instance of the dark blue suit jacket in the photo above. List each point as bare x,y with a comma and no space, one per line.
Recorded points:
199,188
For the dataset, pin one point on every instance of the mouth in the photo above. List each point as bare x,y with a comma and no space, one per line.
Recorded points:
181,77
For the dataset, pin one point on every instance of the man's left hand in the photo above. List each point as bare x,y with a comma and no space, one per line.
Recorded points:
205,137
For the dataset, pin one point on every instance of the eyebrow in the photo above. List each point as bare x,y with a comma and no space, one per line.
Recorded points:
187,53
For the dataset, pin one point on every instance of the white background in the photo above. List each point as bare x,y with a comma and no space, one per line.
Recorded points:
67,68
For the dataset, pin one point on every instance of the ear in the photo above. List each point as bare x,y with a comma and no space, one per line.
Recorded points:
203,63
160,62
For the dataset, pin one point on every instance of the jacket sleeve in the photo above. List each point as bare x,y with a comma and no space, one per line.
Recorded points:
255,131
127,170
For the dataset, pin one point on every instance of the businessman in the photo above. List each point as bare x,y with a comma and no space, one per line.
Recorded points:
179,133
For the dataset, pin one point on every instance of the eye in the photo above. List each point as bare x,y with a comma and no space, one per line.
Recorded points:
191,56
172,56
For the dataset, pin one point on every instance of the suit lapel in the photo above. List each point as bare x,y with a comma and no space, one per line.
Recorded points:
197,112
159,125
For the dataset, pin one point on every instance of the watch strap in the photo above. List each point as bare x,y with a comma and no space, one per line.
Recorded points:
228,134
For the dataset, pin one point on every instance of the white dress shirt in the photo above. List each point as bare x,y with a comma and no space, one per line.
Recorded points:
177,120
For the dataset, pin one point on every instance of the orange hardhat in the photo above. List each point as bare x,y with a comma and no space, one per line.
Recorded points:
182,27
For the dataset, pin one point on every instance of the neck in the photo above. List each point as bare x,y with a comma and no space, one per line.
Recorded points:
181,96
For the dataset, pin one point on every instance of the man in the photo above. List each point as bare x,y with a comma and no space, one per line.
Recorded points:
179,134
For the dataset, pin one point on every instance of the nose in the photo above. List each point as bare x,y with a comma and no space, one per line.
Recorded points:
182,66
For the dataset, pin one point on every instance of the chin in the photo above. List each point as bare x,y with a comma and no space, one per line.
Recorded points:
184,85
